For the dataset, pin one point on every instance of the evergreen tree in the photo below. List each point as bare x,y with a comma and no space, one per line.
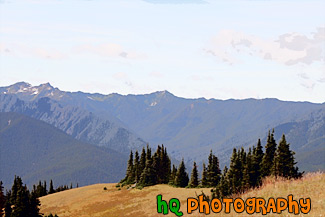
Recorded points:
130,170
44,192
18,184
243,157
213,171
204,180
34,204
51,190
148,176
259,152
181,179
21,204
172,176
148,156
222,189
268,158
40,190
248,172
8,209
256,164
284,162
235,172
136,164
156,164
165,166
142,160
194,182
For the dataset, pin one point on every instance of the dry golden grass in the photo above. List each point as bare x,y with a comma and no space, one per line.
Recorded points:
95,201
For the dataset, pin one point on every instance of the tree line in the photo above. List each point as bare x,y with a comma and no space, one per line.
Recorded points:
246,170
20,202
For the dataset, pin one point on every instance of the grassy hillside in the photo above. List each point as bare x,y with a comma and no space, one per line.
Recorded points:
36,151
95,201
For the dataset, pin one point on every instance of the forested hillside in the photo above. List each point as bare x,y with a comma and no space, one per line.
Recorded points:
36,151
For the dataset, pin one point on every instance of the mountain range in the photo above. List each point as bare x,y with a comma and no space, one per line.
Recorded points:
189,128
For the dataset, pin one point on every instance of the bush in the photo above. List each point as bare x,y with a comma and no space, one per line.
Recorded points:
140,187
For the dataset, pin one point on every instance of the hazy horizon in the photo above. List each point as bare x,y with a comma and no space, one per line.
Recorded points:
147,93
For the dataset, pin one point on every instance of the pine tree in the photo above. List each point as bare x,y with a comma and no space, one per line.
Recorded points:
156,164
148,156
148,176
204,180
256,164
130,170
41,189
181,179
172,176
165,166
18,184
21,204
222,189
136,164
44,189
268,158
8,209
248,172
194,182
284,164
235,172
213,171
142,161
51,190
34,204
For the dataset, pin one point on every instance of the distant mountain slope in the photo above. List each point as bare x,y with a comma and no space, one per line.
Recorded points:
79,123
36,150
307,138
189,128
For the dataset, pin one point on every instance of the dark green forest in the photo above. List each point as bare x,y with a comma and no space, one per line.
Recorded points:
21,202
247,168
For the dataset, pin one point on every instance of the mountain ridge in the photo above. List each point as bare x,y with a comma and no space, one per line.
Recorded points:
189,128
48,85
79,123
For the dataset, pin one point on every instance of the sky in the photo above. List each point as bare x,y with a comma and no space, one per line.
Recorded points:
192,48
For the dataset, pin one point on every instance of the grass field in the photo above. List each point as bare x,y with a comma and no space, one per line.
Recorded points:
95,201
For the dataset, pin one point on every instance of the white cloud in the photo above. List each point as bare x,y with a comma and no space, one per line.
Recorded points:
287,49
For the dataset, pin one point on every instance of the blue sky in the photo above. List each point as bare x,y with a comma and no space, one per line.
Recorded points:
192,48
